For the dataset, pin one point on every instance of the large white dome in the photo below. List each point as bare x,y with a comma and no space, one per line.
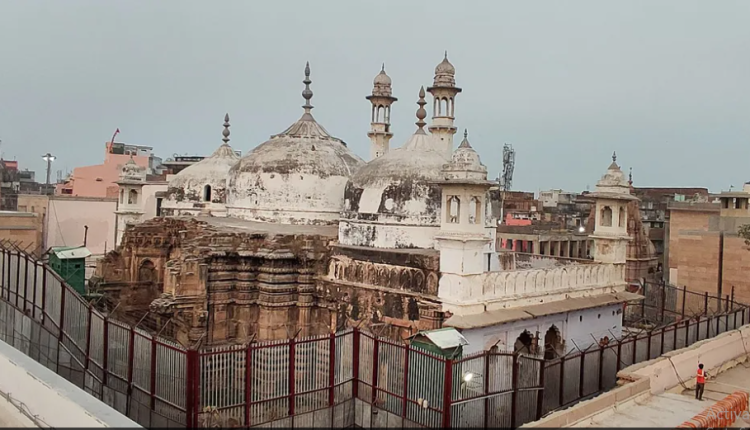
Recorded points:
296,177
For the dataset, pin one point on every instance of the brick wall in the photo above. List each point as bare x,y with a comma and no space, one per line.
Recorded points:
20,227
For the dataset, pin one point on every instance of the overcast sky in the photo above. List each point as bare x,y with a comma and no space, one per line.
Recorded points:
664,83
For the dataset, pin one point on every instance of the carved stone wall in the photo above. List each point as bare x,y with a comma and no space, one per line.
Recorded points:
393,293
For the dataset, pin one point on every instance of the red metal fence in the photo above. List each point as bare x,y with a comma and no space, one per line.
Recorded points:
337,380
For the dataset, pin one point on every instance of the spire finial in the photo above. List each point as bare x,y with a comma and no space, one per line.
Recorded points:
225,133
307,93
446,54
421,112
383,68
466,133
614,156
630,177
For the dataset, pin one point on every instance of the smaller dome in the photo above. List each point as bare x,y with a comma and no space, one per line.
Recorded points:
445,74
131,171
613,184
381,85
465,163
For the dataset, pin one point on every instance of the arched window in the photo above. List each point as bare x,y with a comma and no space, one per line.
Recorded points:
475,210
207,193
606,217
454,209
147,272
524,343
133,197
621,221
553,345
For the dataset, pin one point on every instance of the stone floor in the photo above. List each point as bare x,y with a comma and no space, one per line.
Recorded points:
670,410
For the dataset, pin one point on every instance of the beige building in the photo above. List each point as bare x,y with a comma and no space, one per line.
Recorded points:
20,228
705,252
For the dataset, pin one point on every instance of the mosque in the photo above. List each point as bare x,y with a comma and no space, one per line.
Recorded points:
300,236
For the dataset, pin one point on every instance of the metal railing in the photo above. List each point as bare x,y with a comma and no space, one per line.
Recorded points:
325,380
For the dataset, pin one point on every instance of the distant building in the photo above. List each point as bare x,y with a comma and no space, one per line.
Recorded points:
100,180
705,252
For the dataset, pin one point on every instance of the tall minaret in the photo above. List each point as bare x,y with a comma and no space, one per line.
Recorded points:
444,93
130,206
380,122
610,235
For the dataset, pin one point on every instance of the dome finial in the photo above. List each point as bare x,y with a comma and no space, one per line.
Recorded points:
421,112
465,143
446,54
382,69
630,177
466,133
225,133
614,156
307,93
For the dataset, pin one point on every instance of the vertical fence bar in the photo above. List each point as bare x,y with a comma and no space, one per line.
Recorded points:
663,302
44,295
601,368
406,382
643,302
192,387
635,347
153,374
448,392
581,375
648,346
33,301
26,283
331,369
62,323
684,298
708,327
88,340
514,393
487,387
18,275
661,351
355,370
674,338
375,366
619,355
248,383
705,303
539,395
131,362
562,381
687,333
292,377
105,355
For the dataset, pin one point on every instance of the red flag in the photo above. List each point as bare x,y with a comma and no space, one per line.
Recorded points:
117,131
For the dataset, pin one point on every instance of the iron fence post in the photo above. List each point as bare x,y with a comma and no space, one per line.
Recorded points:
581,375
708,328
619,355
33,292
331,369
406,382
684,298
44,294
447,392
687,333
248,383
153,375
643,302
663,303
26,283
62,324
562,381
105,353
705,303
661,352
18,275
601,368
648,345
355,367
635,347
375,365
539,394
674,338
514,392
2,272
131,362
88,339
487,355
192,387
292,377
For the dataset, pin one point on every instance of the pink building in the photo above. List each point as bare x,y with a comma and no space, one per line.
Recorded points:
100,180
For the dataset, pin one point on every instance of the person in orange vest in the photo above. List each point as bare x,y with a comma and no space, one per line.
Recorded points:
700,382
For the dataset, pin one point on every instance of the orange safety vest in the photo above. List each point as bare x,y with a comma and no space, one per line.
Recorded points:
701,376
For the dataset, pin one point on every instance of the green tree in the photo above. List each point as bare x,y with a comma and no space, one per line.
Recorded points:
744,232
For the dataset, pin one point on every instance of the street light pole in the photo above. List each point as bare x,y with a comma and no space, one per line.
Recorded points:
49,158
